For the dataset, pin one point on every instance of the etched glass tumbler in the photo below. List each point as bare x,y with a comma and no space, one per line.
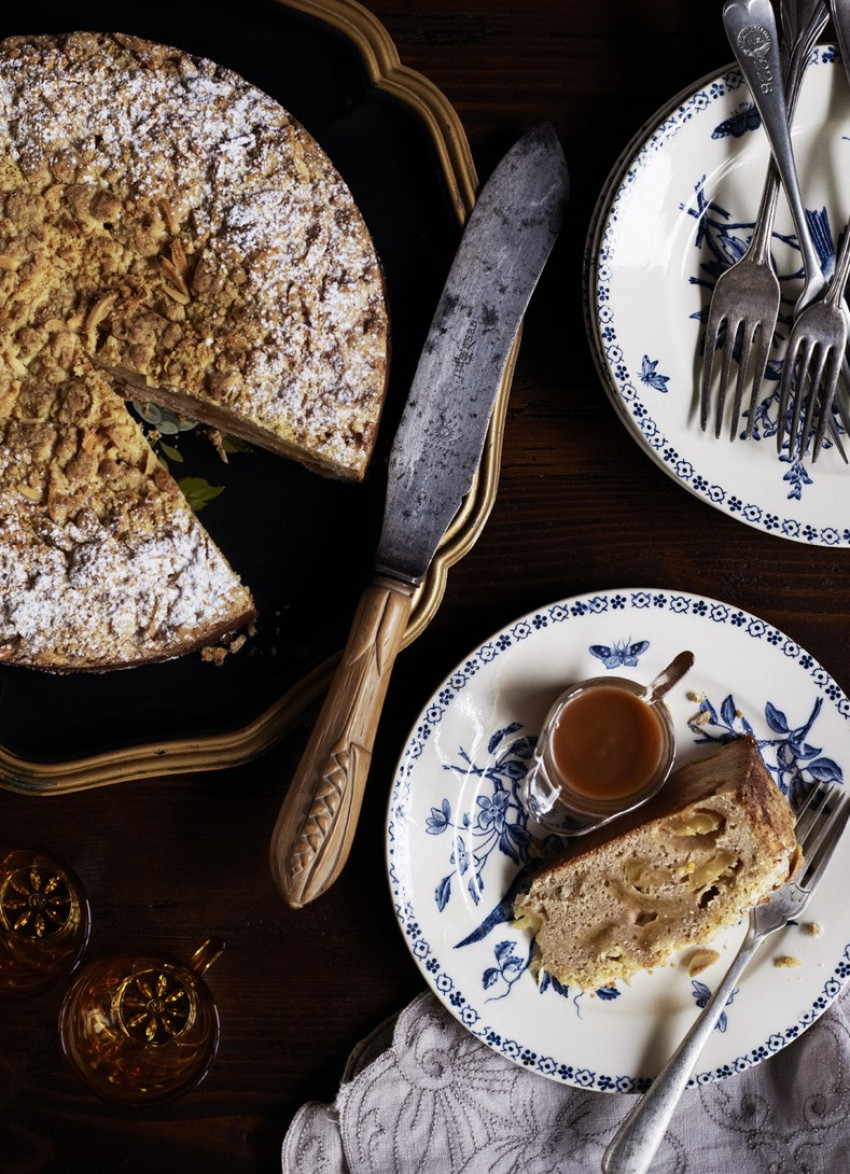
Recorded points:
44,920
139,1028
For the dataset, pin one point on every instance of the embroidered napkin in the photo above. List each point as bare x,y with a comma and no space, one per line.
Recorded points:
423,1096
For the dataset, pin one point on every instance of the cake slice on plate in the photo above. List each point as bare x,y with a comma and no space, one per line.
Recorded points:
714,842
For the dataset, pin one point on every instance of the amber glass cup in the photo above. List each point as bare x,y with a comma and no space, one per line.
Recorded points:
44,920
605,748
139,1028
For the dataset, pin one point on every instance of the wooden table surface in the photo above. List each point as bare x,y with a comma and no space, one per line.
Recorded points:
580,508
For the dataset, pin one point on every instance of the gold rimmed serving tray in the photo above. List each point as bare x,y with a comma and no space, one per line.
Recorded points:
401,147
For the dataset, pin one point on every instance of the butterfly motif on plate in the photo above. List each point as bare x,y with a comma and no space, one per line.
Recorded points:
625,654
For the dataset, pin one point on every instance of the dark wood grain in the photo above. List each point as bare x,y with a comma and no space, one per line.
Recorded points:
167,862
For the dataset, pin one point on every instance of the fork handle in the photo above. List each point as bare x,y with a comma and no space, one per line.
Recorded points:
635,1143
805,21
841,20
751,28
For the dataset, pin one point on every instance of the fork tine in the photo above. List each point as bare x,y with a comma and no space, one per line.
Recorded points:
747,336
801,399
712,335
732,330
822,840
840,404
826,401
793,369
785,384
819,354
765,338
810,812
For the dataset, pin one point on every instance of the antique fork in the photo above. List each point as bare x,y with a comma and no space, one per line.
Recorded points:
746,297
816,349
751,28
818,341
818,830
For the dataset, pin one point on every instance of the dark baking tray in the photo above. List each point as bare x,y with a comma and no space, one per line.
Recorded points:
304,544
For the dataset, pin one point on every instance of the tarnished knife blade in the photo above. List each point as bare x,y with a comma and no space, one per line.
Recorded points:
440,438
435,453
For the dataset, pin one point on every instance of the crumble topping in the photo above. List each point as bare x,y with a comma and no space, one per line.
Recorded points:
223,259
167,232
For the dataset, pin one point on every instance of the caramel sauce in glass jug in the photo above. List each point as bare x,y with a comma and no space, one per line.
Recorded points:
607,745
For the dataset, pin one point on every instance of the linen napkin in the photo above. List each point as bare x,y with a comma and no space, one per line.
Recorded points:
422,1095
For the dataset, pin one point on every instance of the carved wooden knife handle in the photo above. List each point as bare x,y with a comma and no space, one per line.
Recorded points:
316,825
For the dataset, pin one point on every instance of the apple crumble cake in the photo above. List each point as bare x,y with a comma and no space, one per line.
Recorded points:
168,233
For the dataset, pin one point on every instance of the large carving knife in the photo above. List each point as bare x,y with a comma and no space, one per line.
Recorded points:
435,454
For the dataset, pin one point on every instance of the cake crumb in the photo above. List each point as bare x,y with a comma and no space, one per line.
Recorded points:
700,960
814,929
218,653
787,962
216,438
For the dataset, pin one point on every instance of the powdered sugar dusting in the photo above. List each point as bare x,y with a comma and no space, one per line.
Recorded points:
280,269
165,223
77,595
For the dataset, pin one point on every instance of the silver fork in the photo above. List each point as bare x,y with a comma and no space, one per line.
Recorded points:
816,348
746,298
818,829
819,337
751,28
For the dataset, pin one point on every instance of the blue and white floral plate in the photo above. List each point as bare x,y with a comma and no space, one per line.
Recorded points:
457,838
678,209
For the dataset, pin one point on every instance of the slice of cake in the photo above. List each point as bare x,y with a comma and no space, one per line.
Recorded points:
717,840
103,564
167,233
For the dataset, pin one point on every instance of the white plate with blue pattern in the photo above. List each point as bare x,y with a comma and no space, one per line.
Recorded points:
678,209
457,838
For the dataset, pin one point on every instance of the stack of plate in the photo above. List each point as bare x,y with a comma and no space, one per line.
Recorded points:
676,210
